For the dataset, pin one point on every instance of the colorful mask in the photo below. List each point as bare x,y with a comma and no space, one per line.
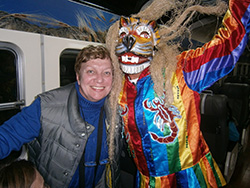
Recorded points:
136,44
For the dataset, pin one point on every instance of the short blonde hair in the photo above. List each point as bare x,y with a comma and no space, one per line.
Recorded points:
91,52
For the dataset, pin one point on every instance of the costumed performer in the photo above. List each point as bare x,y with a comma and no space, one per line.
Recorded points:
158,88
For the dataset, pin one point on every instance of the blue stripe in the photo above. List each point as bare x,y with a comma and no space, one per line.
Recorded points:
155,153
215,69
142,85
246,20
192,179
182,179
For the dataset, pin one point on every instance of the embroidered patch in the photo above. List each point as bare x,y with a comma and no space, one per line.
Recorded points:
164,119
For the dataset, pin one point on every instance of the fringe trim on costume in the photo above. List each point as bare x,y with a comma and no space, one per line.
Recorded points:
206,172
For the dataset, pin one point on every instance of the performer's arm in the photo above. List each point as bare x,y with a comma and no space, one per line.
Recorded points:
204,66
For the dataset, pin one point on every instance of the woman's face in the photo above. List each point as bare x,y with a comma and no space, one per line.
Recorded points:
95,79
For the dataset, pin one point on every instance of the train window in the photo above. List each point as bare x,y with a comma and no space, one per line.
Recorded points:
67,62
8,84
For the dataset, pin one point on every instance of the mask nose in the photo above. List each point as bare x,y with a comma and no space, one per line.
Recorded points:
129,41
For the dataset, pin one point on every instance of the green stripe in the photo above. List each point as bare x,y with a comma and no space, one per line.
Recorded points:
199,175
152,182
210,160
173,157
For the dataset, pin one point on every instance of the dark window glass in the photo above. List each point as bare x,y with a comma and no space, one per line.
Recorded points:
67,62
8,83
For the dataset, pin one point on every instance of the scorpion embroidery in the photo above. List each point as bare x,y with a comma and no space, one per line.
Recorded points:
164,118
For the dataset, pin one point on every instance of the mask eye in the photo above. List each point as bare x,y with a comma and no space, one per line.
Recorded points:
143,31
123,32
145,35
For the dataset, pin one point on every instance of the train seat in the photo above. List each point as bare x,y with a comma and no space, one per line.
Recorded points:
214,125
238,99
215,118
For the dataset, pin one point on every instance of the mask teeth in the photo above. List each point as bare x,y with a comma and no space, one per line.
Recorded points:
131,59
134,69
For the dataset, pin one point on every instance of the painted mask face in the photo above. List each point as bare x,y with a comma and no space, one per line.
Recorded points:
137,39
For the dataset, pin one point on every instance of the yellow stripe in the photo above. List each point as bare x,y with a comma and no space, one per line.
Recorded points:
204,172
157,182
185,154
222,180
144,181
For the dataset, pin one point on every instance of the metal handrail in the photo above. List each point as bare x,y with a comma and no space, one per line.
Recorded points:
11,105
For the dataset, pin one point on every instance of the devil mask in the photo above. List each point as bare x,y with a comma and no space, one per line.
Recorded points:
136,44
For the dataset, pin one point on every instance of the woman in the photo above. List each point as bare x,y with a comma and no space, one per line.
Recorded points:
66,128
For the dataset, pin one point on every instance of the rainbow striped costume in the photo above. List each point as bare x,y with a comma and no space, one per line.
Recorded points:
166,143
